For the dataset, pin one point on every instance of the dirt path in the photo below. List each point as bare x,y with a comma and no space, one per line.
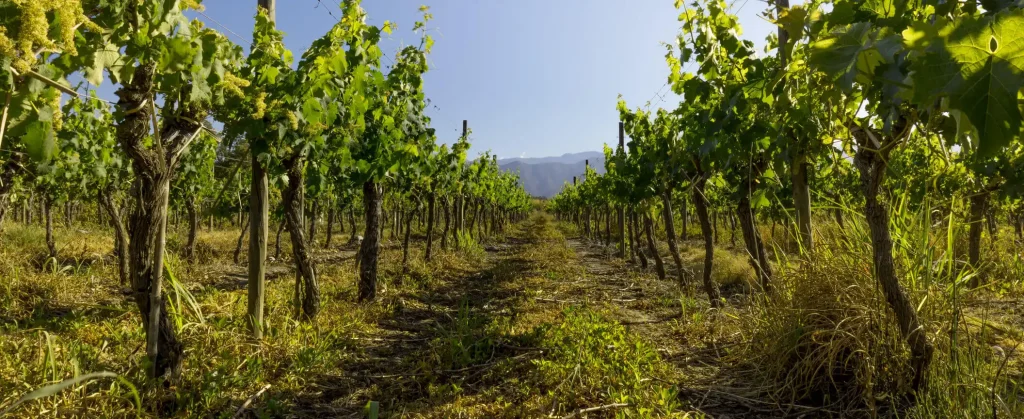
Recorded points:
466,342
682,328
432,334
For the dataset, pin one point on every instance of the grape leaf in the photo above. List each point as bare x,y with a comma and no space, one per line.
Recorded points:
39,140
980,66
849,55
102,59
176,54
882,8
792,19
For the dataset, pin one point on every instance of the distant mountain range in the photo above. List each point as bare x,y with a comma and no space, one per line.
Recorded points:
544,176
568,158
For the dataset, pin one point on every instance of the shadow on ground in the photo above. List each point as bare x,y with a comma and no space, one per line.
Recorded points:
438,343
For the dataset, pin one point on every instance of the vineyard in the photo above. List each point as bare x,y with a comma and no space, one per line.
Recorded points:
832,226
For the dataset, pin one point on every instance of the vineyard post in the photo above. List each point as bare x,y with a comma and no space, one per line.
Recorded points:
258,213
621,210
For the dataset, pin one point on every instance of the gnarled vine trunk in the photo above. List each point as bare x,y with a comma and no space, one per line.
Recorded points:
872,164
369,252
120,235
308,288
314,214
154,168
405,240
147,227
330,227
634,229
447,223
430,224
700,205
607,225
670,231
751,236
459,212
684,218
659,265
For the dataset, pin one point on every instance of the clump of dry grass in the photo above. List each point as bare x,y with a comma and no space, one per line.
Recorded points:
826,338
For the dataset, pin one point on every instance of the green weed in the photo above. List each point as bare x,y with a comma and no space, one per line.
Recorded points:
592,360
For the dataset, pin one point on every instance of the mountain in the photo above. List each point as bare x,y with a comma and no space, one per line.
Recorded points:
568,158
544,176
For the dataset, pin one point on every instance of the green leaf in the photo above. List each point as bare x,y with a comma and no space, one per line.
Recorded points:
759,200
849,55
201,91
919,35
842,14
412,149
881,8
269,75
311,110
339,64
176,54
102,59
39,141
980,66
792,20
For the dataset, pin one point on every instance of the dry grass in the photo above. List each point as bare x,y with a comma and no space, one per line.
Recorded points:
533,323
825,343
463,335
828,337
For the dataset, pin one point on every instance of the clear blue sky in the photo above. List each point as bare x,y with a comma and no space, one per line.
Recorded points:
533,77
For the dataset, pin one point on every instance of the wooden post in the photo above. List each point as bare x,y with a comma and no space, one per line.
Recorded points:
259,210
271,6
